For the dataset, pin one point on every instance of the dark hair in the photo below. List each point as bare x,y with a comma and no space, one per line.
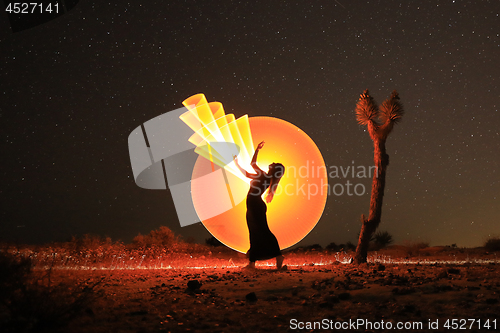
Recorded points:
276,172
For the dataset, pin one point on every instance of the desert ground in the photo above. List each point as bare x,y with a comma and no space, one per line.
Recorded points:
428,290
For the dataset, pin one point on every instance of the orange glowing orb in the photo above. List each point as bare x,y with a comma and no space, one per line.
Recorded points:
299,201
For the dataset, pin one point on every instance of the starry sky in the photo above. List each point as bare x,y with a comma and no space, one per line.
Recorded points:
74,88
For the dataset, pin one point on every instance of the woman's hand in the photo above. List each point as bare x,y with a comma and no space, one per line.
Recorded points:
260,145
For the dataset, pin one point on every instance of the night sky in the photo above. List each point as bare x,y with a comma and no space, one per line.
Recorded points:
74,88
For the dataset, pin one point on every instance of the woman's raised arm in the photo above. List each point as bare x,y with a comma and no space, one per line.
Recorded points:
254,159
243,171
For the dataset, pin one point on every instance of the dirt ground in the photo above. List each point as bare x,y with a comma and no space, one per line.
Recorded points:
442,296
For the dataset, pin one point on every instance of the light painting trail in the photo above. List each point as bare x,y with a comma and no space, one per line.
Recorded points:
301,196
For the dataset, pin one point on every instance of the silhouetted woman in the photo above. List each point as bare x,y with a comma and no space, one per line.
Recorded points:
263,243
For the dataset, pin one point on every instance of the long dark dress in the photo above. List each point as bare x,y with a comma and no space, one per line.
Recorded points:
263,243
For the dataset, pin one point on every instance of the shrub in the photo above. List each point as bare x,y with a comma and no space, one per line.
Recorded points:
163,238
492,244
382,239
349,246
92,243
314,247
332,247
31,302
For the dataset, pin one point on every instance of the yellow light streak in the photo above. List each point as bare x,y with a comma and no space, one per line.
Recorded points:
211,125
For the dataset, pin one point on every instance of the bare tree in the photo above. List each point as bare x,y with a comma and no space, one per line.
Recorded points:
379,121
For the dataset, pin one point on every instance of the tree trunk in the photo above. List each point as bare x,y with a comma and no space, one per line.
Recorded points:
369,225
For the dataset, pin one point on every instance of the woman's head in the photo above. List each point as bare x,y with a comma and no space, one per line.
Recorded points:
276,170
